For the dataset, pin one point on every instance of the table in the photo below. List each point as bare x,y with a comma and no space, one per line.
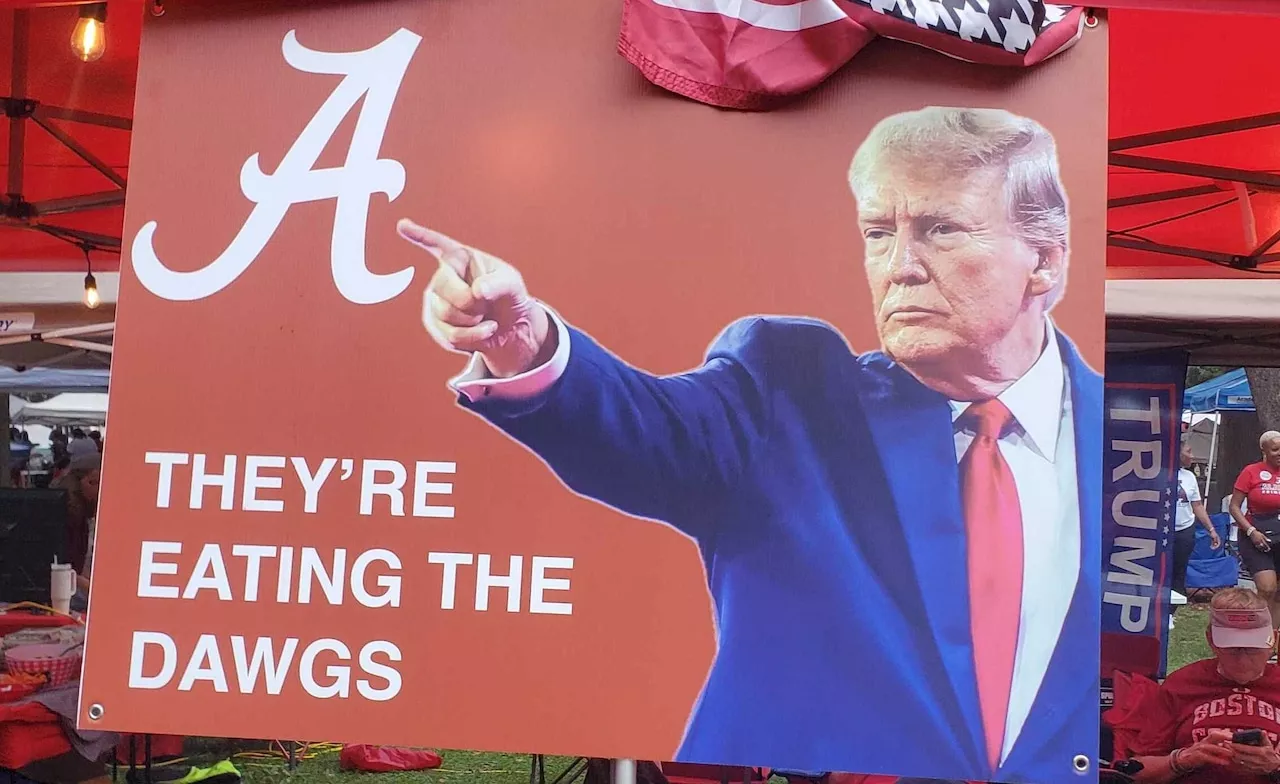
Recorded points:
28,730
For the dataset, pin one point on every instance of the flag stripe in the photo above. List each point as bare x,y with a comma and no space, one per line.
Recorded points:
792,17
753,54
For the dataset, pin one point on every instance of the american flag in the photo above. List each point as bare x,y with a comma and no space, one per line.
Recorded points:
752,54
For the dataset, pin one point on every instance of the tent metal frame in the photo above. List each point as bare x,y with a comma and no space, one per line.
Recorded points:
1213,335
15,210
80,339
1245,180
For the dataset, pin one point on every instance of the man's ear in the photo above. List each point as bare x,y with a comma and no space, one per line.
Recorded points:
1048,272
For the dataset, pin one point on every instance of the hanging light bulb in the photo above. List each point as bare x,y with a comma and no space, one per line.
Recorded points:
91,297
89,40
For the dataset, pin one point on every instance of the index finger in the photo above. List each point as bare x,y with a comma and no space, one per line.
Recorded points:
443,247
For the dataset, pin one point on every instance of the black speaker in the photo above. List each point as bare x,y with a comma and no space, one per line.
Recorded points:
33,533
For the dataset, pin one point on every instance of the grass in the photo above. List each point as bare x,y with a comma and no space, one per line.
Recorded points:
1186,644
321,765
459,767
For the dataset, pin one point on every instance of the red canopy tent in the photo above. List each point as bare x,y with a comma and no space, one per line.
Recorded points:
63,178
73,144
1194,218
1194,209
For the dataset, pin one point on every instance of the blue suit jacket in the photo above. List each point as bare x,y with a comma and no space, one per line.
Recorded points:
822,490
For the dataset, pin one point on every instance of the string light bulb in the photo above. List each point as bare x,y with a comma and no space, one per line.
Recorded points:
89,40
91,297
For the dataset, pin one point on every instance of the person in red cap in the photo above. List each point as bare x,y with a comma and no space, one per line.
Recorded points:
1217,721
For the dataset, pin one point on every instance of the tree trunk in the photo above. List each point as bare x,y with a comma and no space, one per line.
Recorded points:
1264,383
1237,447
1238,433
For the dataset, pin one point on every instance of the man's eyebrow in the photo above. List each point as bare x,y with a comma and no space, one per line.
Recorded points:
944,214
874,213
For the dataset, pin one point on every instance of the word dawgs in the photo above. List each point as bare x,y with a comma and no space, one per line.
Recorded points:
262,666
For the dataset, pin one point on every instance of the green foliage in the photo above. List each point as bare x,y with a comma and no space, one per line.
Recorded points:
1198,374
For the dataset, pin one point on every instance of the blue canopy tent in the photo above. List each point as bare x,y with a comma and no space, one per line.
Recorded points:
53,380
1228,392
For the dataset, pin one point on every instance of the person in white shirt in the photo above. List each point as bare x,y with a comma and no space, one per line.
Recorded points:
1190,511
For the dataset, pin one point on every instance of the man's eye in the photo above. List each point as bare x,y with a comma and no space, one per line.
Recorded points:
876,234
944,229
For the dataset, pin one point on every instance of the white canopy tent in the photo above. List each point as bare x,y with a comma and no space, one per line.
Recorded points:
1233,321
1201,435
45,323
85,409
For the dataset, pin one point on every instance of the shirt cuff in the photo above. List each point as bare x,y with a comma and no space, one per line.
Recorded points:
476,383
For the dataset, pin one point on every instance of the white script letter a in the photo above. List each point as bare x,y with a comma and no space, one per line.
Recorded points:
374,74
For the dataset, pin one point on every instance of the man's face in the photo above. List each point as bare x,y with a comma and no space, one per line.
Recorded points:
1186,456
948,273
89,485
1242,665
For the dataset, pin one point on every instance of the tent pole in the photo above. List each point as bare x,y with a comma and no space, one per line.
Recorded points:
624,771
4,440
1213,451
17,90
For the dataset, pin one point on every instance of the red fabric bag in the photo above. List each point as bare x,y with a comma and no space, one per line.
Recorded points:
1125,715
381,759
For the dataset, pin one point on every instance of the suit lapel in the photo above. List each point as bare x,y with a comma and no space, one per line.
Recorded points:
913,434
1072,682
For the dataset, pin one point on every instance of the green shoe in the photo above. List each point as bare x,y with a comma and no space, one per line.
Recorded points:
222,773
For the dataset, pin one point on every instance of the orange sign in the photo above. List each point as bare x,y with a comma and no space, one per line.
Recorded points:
461,486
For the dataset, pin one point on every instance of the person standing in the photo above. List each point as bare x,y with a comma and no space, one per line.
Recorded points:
1259,485
1190,511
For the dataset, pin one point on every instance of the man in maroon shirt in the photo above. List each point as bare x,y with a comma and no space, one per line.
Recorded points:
1192,722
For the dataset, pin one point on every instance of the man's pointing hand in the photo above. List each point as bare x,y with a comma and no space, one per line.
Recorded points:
478,303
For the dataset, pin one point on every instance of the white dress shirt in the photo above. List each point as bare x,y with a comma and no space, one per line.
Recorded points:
1041,455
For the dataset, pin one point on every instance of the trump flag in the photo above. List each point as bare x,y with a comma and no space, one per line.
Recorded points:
1143,431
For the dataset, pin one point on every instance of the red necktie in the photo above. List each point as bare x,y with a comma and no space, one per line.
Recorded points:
993,527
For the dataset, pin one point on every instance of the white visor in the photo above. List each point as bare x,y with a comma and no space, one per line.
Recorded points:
1242,629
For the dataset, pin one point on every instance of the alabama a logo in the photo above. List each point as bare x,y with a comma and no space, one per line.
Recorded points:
373,74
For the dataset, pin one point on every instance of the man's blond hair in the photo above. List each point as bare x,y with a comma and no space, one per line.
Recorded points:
1237,599
969,140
